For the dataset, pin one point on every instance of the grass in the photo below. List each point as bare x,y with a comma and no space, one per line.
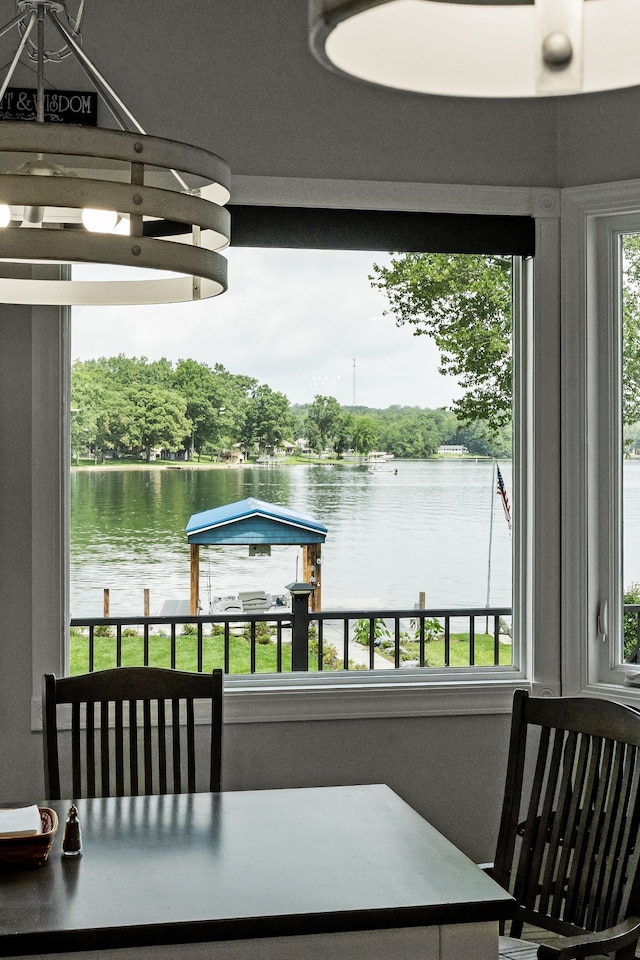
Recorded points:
266,653
187,653
458,651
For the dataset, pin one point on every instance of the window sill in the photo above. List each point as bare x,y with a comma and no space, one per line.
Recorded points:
257,700
280,699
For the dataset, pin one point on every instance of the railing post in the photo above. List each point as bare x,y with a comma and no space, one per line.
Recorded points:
300,593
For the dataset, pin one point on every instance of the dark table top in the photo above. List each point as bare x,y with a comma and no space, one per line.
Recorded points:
198,867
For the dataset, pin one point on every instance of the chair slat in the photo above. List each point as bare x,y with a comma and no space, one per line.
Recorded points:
119,747
105,766
162,747
76,749
147,746
133,748
175,730
191,748
610,838
562,764
525,892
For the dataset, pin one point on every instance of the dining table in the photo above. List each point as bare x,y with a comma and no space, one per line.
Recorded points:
310,873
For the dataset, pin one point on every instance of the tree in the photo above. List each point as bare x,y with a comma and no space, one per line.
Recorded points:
203,392
323,418
464,303
268,421
631,330
160,418
364,434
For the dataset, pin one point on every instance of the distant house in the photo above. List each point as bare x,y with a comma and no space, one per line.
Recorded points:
453,449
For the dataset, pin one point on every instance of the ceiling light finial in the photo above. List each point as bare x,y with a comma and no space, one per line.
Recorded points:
480,48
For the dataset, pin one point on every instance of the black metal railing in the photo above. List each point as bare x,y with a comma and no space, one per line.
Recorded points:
285,641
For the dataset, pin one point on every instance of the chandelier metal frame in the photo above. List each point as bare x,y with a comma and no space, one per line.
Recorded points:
170,194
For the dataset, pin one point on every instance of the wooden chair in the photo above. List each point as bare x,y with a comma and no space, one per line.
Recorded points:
569,841
133,731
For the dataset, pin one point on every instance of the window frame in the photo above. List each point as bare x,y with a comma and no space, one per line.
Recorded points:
480,690
594,221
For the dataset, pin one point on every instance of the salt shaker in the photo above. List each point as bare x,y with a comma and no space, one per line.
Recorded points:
72,839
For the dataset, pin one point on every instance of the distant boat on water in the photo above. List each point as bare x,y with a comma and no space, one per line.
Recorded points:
378,457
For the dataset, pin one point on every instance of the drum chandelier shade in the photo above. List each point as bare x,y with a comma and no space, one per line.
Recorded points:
82,194
477,48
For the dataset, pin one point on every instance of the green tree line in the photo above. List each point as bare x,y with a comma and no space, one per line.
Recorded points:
129,406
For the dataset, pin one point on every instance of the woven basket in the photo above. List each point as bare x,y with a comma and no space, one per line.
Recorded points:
30,851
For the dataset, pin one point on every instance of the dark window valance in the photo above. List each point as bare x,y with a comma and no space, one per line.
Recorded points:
322,229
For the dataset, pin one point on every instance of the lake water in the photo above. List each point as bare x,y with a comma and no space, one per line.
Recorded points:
390,536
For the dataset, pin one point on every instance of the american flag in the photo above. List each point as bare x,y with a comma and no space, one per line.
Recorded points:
502,493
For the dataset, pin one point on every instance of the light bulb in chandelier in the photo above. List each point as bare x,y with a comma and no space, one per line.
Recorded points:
99,221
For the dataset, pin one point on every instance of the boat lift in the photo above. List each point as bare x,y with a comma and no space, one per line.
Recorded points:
259,525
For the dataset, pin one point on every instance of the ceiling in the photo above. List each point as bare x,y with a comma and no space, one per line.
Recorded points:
238,77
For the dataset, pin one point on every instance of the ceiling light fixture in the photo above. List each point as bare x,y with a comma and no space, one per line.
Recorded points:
103,196
481,48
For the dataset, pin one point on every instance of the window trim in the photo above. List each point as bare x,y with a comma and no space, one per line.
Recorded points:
594,220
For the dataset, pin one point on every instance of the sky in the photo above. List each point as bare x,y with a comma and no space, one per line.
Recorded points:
296,320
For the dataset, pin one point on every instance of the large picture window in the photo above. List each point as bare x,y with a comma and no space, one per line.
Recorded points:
398,544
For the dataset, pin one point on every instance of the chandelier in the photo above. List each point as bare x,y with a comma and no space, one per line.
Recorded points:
481,48
74,194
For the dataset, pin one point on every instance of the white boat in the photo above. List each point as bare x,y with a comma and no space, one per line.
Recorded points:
378,457
248,601
378,462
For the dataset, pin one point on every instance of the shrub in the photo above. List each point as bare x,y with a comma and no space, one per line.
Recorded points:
630,624
264,632
362,631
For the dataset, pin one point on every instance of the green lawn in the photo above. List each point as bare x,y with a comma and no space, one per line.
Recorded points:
186,653
266,653
459,651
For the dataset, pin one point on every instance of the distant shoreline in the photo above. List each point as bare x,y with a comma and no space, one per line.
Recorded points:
194,465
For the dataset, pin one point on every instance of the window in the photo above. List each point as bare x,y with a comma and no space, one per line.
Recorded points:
524,602
602,520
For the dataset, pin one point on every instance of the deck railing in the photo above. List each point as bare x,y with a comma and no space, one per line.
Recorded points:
282,641
279,642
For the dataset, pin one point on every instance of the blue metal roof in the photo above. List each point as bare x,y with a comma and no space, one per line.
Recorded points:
254,521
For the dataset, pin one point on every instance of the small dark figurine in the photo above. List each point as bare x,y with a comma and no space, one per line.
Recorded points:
72,839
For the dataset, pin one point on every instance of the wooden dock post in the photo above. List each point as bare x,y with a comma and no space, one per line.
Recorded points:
421,600
105,602
146,602
194,598
311,572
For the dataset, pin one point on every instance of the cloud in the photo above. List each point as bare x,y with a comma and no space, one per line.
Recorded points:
295,319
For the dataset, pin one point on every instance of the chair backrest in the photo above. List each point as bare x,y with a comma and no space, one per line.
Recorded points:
132,731
569,842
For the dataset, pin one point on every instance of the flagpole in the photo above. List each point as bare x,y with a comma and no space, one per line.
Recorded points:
493,487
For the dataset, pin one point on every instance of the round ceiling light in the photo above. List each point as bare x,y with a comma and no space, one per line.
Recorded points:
476,48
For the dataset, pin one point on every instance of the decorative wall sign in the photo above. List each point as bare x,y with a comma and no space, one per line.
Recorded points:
60,106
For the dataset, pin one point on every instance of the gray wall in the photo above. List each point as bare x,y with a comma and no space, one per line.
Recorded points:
237,77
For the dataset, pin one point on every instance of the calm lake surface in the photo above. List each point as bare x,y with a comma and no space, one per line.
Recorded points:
390,536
